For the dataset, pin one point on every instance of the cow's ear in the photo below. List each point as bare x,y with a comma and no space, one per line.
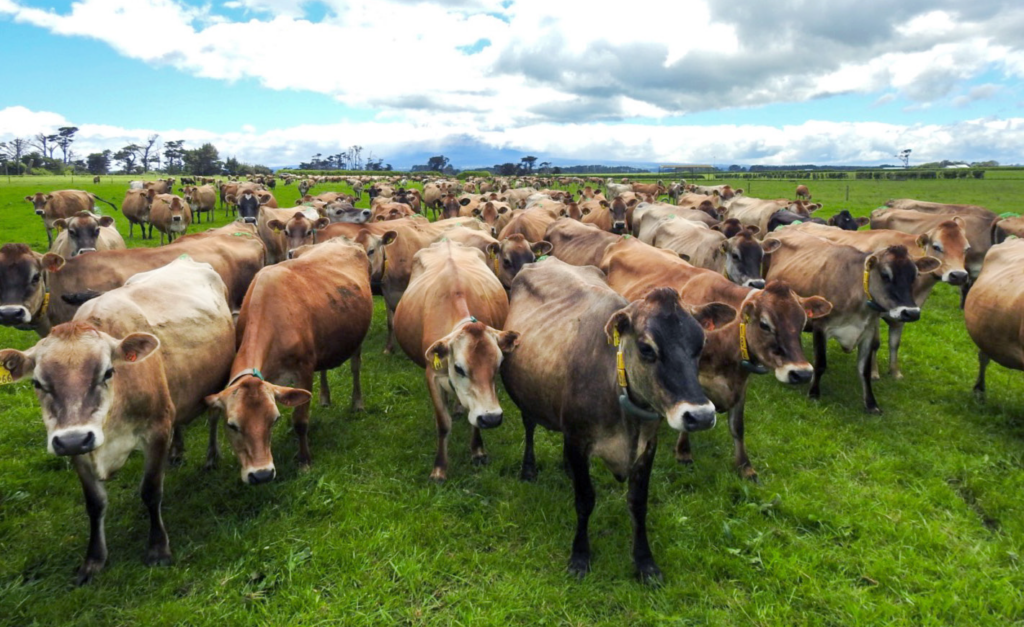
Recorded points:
713,315
215,401
47,197
684,257
927,264
815,307
321,223
960,222
502,210
275,225
716,227
298,201
476,211
507,341
388,237
437,352
17,363
922,240
770,245
106,221
753,230
811,208
862,221
563,212
379,218
492,250
465,201
618,324
724,246
30,199
738,191
290,397
52,262
60,224
541,248
870,262
136,347
586,210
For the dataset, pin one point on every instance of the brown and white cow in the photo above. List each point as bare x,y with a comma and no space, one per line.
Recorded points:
861,286
60,204
170,215
993,312
136,207
304,315
448,323
765,337
606,216
300,230
130,369
24,298
604,372
86,233
201,199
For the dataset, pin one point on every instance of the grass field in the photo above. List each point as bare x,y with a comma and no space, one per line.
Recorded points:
912,517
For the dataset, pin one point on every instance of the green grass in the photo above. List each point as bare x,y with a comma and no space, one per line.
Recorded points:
913,517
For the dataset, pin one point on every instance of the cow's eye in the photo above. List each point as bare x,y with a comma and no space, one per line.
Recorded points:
233,426
736,256
96,233
647,352
506,263
937,247
36,384
459,371
72,233
764,326
35,279
108,374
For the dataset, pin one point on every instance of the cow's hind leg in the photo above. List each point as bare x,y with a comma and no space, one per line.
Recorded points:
820,362
357,387
158,552
529,469
212,452
868,345
325,390
390,343
96,507
874,354
579,561
979,384
639,482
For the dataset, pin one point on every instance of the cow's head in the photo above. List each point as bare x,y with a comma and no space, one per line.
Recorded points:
845,220
38,201
299,230
180,214
732,227
573,211
74,371
488,213
249,406
343,211
618,210
890,285
248,206
83,231
773,320
513,253
22,286
375,251
661,345
469,357
743,255
948,243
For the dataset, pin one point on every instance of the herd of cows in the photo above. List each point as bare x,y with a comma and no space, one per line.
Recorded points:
603,311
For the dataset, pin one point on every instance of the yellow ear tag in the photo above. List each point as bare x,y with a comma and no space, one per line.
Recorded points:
60,229
867,275
615,336
277,231
5,376
620,369
437,362
46,304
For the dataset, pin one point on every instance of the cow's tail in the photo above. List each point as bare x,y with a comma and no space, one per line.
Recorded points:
77,298
106,201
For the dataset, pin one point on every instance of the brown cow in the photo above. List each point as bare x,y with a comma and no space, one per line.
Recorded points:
300,230
86,233
24,299
654,189
130,370
490,212
993,312
531,223
136,207
170,215
765,338
300,316
447,322
607,217
803,192
648,215
391,211
201,199
506,257
925,206
60,204
578,243
604,372
161,186
861,287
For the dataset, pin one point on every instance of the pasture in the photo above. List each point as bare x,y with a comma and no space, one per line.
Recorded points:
911,517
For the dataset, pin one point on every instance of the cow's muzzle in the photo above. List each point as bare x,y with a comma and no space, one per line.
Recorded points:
618,227
956,277
489,421
73,442
82,251
14,314
261,475
906,314
757,284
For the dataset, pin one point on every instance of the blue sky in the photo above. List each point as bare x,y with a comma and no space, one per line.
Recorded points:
275,80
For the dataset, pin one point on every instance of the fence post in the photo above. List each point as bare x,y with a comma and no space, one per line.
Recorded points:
847,193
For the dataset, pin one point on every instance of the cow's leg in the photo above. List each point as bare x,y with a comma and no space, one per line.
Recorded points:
874,355
389,345
579,561
444,427
820,362
158,552
300,421
895,337
979,384
736,414
325,391
212,451
357,386
964,289
683,454
639,482
131,228
96,507
177,455
868,344
529,469
476,447
49,237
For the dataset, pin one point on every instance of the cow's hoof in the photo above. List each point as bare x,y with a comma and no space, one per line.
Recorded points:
749,474
528,473
87,571
579,565
480,460
438,476
158,556
897,375
874,411
175,461
814,395
325,402
686,459
358,406
875,376
649,574
211,463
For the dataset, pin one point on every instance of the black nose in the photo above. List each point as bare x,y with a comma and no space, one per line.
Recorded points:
699,419
618,227
249,220
910,315
176,219
291,254
489,421
957,277
799,376
757,284
74,443
265,475
11,315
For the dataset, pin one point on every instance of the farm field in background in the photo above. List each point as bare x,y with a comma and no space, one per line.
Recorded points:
911,517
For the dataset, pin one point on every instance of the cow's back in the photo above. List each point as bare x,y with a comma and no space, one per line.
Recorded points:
994,309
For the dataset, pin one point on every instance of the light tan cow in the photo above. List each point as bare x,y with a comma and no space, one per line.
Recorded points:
738,258
506,257
170,215
201,199
60,204
578,243
136,208
994,310
531,223
86,233
447,322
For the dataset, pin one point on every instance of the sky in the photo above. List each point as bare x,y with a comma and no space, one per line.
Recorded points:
487,81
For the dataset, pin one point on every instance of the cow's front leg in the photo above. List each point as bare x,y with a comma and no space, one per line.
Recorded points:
476,447
529,469
444,426
389,345
820,362
158,552
736,427
868,345
683,453
96,507
579,466
895,337
325,390
639,482
979,384
212,451
177,455
357,387
300,422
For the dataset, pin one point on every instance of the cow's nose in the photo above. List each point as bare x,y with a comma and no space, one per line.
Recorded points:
957,277
75,443
12,315
291,254
176,219
618,227
757,284
489,421
249,220
82,251
910,314
263,475
39,212
799,376
699,419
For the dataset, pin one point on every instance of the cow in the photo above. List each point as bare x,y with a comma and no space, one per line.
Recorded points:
676,191
162,186
769,215
448,323
270,224
24,299
947,242
654,189
765,338
233,250
170,215
491,213
201,199
136,207
60,204
249,202
96,180
925,206
506,257
301,316
432,196
803,192
86,233
578,243
343,211
726,192
136,185
531,223
128,371
616,189
845,220
861,286
738,257
604,371
391,211
299,230
648,215
607,217
992,311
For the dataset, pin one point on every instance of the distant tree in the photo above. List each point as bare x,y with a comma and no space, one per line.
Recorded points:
144,157
15,149
556,170
204,161
527,163
387,167
438,163
232,166
42,141
506,169
735,168
98,162
65,136
127,156
174,153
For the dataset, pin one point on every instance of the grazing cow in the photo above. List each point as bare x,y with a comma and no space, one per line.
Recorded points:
86,233
136,207
96,180
861,287
738,257
447,323
233,250
993,312
803,192
171,215
131,368
604,372
60,204
947,242
765,338
24,298
845,220
201,199
577,243
301,316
